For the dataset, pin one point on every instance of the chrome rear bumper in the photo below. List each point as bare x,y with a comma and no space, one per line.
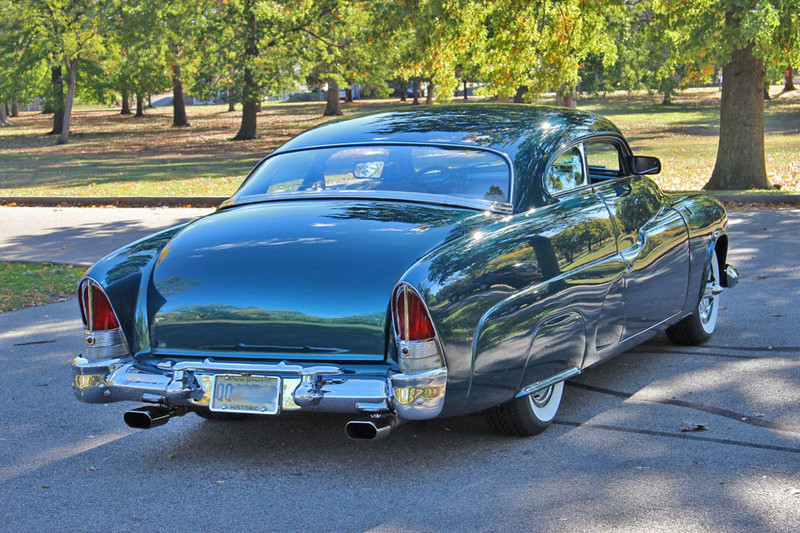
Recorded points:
314,388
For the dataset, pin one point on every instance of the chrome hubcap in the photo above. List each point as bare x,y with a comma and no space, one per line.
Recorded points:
541,397
712,290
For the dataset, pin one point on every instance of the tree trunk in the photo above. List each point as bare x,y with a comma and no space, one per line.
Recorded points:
519,96
14,108
429,94
231,106
139,105
667,97
126,102
47,107
403,89
789,75
3,117
348,94
250,94
178,105
566,97
766,89
72,70
740,156
416,92
333,108
465,90
57,81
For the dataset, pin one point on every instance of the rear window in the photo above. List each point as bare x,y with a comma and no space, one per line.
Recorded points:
467,173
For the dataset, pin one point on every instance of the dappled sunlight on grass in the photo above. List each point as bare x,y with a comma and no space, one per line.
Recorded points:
114,155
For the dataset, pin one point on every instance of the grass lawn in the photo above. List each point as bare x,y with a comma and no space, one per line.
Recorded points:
112,155
27,284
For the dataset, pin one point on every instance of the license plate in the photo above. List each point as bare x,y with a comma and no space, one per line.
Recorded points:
246,394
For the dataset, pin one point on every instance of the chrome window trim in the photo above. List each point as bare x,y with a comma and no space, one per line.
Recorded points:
622,147
441,199
584,169
605,136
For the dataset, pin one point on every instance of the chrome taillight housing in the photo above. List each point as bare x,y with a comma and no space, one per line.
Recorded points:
102,334
418,348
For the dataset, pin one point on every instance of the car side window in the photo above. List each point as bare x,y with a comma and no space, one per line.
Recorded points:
566,171
602,160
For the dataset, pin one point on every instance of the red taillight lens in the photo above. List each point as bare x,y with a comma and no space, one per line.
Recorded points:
411,319
96,310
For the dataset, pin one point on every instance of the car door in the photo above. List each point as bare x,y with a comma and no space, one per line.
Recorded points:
651,237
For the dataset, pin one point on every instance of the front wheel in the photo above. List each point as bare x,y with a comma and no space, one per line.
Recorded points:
698,327
528,415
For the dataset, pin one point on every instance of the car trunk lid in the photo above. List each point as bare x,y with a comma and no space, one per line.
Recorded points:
306,280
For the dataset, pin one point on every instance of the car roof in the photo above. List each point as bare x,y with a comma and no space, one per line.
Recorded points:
507,128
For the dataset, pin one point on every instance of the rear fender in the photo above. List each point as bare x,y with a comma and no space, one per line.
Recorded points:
125,277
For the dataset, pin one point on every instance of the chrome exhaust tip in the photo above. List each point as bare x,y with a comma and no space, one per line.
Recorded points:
149,416
370,429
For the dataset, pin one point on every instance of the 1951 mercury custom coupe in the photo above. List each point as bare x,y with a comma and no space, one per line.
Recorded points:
404,266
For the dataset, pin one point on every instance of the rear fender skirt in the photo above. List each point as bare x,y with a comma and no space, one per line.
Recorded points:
558,345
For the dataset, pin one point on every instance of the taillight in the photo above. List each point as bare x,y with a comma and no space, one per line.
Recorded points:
411,318
96,310
417,345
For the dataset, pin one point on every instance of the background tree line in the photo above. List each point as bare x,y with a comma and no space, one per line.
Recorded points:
244,50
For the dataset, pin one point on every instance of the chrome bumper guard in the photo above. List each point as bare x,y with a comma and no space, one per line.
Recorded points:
314,388
730,277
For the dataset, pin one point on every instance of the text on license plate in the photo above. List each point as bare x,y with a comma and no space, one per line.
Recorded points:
246,394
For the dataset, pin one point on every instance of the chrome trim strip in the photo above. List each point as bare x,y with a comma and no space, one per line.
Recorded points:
384,196
544,383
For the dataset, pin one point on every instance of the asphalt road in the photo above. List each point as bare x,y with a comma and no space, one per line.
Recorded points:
80,235
614,460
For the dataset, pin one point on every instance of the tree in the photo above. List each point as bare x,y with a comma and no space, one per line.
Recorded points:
432,38
739,34
135,58
72,30
179,19
24,66
262,50
539,45
347,48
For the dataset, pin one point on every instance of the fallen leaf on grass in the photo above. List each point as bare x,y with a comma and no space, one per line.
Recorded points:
687,427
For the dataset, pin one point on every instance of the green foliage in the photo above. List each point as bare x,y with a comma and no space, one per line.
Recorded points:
541,44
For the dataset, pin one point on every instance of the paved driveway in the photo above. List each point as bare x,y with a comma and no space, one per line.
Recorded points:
80,235
614,460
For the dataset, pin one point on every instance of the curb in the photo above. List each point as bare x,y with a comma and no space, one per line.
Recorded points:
762,199
757,199
112,201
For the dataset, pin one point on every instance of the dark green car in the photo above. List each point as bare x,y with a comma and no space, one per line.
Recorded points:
404,266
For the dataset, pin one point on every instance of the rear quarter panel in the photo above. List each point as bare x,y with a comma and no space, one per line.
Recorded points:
706,220
489,292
